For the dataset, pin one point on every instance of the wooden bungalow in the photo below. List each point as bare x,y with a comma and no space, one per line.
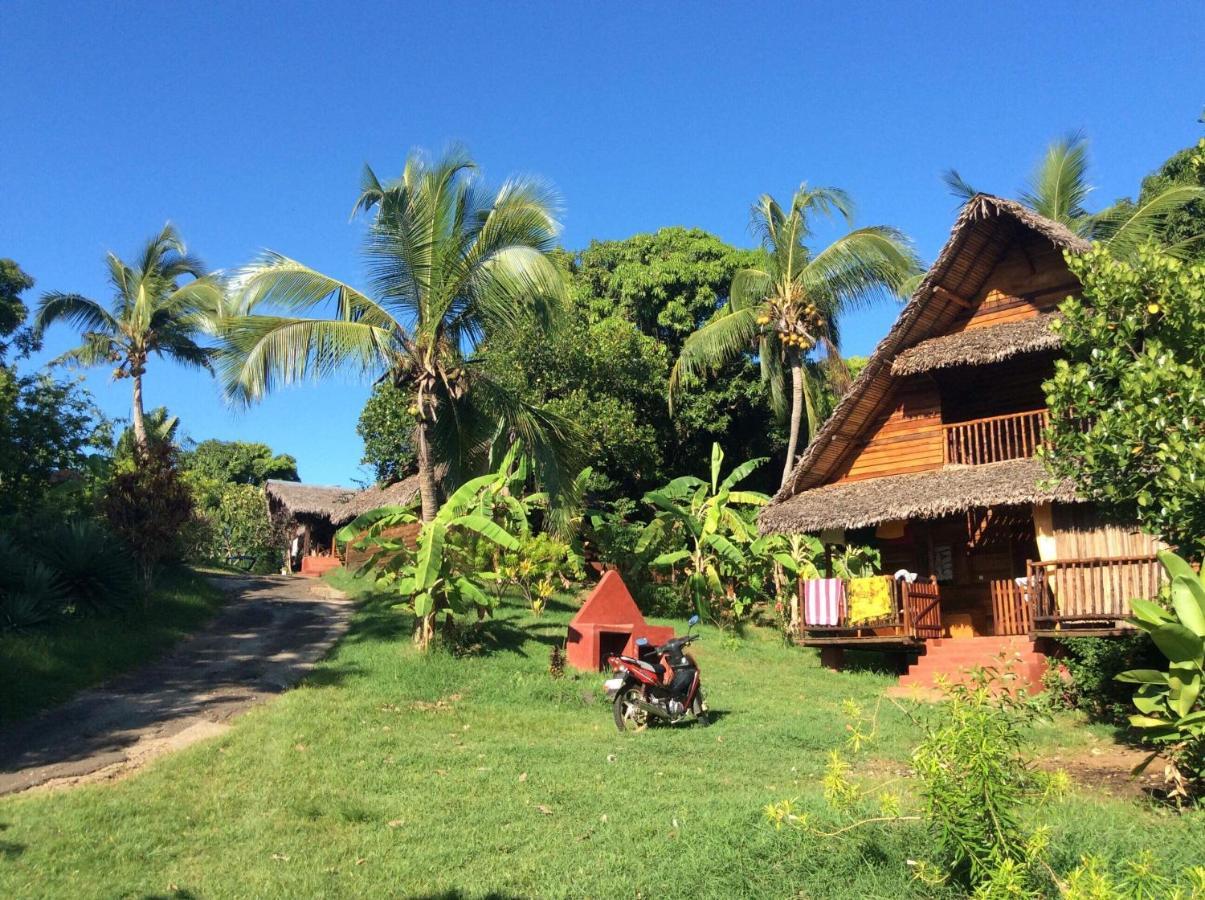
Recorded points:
930,457
308,516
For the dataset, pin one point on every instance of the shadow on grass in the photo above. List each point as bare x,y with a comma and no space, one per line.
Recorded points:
9,849
378,621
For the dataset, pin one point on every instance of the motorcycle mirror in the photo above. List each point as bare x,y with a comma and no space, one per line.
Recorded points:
693,620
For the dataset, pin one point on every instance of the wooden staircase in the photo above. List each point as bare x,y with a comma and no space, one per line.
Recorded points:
954,657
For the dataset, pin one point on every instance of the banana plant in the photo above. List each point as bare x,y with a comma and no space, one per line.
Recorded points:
446,572
1170,708
713,525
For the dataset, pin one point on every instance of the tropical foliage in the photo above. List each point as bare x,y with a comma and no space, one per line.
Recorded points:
148,508
1171,708
457,553
1058,189
161,306
708,526
790,303
451,265
1128,400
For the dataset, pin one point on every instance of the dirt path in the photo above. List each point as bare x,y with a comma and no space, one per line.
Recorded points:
260,643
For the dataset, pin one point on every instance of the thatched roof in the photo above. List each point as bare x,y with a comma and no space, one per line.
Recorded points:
926,495
980,236
977,346
339,504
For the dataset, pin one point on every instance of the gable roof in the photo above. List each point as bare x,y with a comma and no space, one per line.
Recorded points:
980,236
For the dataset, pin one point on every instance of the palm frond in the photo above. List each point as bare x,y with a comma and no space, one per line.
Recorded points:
858,268
958,186
74,309
1059,186
1127,226
718,342
750,287
293,286
263,352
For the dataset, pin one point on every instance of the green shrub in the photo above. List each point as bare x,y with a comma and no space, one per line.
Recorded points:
31,598
94,569
1171,712
1092,664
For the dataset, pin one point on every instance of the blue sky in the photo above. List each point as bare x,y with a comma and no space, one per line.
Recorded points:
246,124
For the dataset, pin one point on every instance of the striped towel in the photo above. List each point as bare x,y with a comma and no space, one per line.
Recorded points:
823,601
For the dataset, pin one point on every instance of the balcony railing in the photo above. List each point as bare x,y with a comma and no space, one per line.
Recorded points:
915,615
994,439
1081,592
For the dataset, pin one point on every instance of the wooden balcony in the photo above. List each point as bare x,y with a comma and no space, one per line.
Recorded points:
1089,596
994,439
915,617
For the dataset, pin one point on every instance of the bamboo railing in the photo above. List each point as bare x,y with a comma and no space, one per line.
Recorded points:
1093,589
1012,607
994,439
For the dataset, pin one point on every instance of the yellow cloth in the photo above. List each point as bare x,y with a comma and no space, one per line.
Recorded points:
868,599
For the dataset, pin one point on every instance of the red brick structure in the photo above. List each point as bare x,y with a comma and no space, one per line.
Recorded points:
608,624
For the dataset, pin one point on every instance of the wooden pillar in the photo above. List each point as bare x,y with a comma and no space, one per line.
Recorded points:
832,657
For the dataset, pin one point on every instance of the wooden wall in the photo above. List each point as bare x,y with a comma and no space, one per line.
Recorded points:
1032,278
906,437
1080,532
1011,386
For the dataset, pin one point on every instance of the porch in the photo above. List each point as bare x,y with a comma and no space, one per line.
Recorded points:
1087,597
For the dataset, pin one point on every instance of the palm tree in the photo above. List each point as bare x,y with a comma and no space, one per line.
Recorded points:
450,265
1058,189
152,313
791,305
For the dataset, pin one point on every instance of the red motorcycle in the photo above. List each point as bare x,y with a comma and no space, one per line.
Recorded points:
660,683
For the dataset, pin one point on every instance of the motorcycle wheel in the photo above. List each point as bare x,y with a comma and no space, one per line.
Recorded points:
629,716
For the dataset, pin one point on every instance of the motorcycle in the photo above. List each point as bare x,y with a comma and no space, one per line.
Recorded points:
660,683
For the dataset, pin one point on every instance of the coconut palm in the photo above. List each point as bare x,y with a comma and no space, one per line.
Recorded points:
155,311
790,305
1058,189
450,265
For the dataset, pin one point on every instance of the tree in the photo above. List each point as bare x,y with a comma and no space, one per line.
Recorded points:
13,282
387,429
668,284
790,303
154,311
1185,225
50,431
240,462
457,549
604,376
1058,189
1127,403
450,264
148,508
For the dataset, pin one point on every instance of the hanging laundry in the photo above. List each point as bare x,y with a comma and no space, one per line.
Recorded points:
823,601
869,599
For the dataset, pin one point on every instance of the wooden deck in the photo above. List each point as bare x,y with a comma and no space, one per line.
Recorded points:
1060,598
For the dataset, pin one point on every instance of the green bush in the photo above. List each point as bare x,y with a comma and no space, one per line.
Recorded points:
29,595
1092,664
94,570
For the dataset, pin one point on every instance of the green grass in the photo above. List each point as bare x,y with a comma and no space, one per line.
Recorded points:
47,665
389,774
